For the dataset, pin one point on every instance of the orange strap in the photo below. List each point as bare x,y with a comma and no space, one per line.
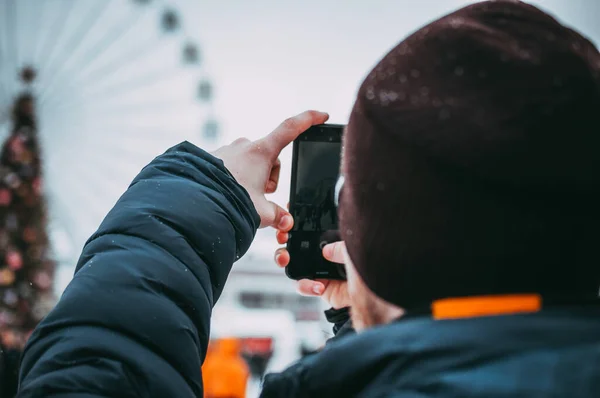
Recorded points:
468,307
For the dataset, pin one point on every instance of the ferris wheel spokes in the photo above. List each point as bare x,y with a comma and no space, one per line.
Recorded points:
94,52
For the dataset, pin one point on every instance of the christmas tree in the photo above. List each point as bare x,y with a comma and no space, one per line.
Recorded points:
26,266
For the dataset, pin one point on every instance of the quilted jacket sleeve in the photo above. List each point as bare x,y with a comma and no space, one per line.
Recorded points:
134,322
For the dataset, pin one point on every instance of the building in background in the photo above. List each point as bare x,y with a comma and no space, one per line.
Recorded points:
260,304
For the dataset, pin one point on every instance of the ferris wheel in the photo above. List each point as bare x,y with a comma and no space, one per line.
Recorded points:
116,82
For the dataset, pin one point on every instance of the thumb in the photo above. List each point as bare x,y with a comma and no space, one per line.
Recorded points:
334,252
273,215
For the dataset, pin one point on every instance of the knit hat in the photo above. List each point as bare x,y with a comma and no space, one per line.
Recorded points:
472,161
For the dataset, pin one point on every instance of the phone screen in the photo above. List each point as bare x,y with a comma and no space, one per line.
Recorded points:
316,175
315,170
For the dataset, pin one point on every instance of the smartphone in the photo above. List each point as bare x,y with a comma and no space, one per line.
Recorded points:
315,169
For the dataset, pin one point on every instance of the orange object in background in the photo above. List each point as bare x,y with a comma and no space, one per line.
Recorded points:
225,373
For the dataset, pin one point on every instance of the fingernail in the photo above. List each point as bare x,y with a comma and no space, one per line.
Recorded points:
277,258
317,289
284,222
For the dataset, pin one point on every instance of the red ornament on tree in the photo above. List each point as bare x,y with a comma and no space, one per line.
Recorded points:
17,146
14,260
36,184
29,235
5,197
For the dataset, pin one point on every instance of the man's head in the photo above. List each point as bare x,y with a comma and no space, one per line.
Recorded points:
471,162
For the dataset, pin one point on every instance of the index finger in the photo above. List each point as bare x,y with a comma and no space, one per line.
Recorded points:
291,128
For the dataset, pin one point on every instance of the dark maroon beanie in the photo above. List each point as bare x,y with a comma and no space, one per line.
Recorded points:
472,161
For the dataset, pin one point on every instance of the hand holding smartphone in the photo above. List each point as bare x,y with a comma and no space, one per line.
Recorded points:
315,170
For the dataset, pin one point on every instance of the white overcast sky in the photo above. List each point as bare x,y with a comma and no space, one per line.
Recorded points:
271,58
